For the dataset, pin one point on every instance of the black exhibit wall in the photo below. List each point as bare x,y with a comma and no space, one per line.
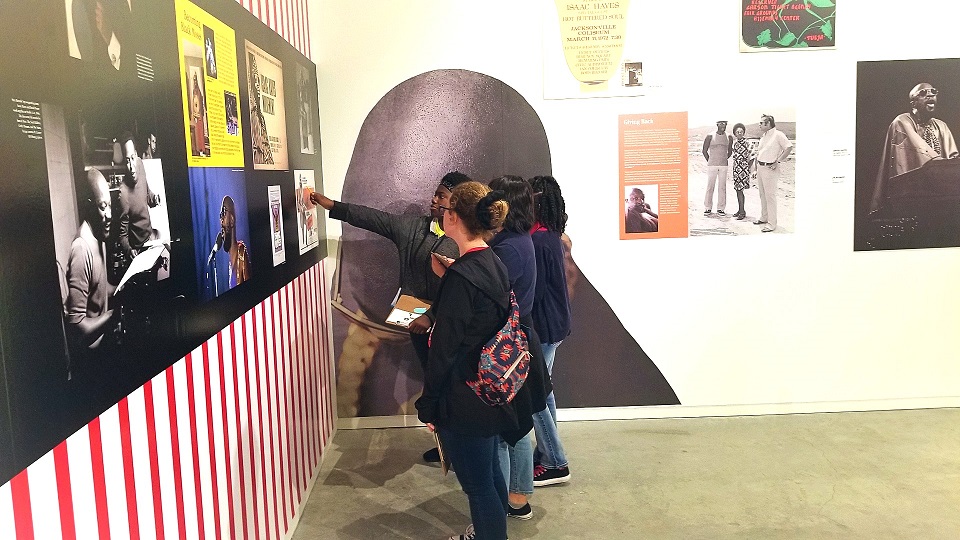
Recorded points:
120,251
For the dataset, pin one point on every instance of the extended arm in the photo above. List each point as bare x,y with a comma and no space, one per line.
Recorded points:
321,200
375,221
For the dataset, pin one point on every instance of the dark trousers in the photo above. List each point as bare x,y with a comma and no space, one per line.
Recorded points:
478,470
421,346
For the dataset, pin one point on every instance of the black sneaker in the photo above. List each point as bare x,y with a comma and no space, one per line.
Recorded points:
707,212
543,476
721,212
524,512
432,455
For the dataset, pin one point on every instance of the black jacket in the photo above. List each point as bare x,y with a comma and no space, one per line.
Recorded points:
471,306
414,241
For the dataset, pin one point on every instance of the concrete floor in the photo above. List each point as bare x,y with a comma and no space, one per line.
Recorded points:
875,475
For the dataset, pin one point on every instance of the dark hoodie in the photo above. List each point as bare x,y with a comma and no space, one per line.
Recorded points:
471,306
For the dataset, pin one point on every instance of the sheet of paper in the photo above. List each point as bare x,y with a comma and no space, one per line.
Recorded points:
143,262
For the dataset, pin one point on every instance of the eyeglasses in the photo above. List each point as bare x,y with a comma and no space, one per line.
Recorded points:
443,208
924,92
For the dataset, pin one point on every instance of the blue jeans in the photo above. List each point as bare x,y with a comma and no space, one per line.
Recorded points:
549,448
475,462
516,463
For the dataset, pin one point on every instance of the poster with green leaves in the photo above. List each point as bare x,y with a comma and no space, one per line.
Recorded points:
787,25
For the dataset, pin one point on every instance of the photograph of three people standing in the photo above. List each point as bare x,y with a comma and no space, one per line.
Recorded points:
754,161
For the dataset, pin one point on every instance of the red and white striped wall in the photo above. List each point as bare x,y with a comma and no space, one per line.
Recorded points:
223,444
289,18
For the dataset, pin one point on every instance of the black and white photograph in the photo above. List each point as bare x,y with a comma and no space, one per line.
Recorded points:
210,51
741,171
101,33
632,74
307,92
907,188
641,207
111,232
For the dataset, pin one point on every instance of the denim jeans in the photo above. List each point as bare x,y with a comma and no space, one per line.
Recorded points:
516,463
477,467
549,448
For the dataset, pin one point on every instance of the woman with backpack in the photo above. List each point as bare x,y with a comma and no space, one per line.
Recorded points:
471,305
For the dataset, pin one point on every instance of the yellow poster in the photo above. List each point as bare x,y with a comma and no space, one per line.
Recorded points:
593,49
210,88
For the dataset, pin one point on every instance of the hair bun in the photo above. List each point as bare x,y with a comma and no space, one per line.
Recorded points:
492,210
495,195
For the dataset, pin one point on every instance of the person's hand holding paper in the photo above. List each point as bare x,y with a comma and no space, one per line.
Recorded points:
420,325
439,263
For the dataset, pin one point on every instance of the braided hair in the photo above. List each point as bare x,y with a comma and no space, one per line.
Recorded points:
550,209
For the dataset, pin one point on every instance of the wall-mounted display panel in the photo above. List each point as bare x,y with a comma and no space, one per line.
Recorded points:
134,224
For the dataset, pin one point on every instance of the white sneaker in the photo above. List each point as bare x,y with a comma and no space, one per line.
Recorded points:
468,534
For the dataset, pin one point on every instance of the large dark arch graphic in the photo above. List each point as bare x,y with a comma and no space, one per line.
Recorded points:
424,127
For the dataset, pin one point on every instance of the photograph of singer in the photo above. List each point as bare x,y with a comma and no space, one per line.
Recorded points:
220,230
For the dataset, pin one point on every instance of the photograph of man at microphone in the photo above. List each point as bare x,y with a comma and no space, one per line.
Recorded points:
220,228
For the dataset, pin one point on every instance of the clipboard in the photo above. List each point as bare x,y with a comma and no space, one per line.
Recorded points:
443,459
406,308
